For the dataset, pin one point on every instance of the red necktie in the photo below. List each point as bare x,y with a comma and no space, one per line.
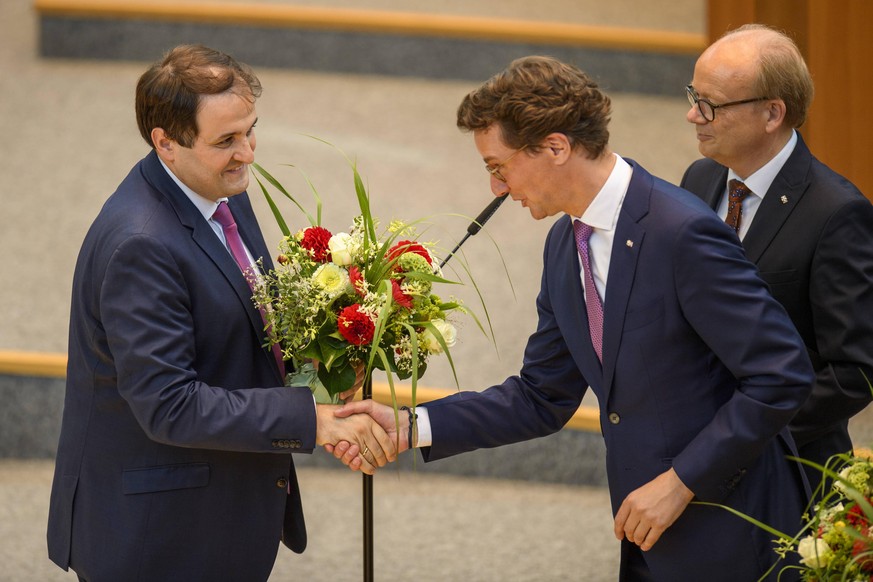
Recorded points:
737,192
593,304
224,217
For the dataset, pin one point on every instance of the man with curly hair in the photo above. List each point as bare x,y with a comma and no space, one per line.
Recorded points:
648,299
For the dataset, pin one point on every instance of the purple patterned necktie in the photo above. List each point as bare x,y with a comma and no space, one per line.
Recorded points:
737,192
593,303
224,217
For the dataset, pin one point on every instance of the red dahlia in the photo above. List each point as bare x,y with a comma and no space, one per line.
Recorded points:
355,325
400,298
315,239
409,246
357,280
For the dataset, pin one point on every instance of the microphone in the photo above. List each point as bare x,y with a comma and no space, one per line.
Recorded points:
477,224
483,217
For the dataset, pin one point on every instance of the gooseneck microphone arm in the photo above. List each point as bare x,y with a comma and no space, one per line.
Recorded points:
477,224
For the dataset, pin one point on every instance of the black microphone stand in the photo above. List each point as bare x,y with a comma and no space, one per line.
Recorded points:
472,230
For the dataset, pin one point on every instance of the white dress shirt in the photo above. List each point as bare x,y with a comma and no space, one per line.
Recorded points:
207,208
758,183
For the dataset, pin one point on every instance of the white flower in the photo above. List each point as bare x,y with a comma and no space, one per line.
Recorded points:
331,279
814,552
342,246
445,329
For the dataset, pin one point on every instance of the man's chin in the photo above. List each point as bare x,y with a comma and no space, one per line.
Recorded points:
237,187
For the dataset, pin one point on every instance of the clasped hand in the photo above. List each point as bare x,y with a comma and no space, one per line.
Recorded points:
363,435
352,453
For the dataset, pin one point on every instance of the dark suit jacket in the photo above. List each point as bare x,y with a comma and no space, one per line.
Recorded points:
702,371
173,457
812,240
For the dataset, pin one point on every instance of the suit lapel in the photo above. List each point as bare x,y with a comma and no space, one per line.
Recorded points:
205,238
712,190
784,194
626,248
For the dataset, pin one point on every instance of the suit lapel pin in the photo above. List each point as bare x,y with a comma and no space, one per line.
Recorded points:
784,199
629,243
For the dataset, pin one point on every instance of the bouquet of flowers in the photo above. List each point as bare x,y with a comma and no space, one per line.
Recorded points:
835,543
838,544
363,298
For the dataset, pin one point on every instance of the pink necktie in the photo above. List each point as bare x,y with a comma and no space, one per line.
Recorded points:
593,303
737,192
224,217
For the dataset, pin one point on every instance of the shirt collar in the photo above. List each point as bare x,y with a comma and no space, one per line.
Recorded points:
603,211
205,206
759,182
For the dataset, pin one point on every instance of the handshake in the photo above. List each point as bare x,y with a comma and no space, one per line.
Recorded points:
364,435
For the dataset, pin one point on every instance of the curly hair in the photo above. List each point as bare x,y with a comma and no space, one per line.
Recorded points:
168,93
536,96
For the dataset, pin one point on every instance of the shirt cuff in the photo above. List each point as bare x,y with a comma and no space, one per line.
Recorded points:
425,436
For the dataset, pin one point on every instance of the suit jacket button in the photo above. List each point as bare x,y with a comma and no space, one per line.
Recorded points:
296,444
281,482
275,444
286,444
614,418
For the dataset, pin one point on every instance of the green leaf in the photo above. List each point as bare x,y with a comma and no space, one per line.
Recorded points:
314,195
750,519
439,337
338,379
311,351
281,189
382,319
283,227
430,277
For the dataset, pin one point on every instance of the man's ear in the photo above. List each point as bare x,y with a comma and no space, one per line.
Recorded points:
775,115
557,145
164,146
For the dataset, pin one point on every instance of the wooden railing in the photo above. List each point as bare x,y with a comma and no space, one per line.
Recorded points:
52,365
379,21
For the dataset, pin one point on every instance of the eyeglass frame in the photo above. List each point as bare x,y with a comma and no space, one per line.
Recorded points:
694,98
495,170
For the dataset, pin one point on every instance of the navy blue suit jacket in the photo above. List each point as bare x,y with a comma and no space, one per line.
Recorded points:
812,240
702,371
173,457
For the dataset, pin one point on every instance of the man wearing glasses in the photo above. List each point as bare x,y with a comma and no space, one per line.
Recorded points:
648,299
809,230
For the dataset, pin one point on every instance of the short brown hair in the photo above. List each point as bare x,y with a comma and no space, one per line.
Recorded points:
782,72
536,96
168,93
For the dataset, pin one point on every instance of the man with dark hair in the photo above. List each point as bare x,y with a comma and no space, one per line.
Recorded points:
648,299
808,229
174,456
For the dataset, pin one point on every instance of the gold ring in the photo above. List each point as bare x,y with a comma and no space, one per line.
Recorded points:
365,451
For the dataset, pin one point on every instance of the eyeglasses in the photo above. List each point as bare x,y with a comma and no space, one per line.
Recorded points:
495,170
707,108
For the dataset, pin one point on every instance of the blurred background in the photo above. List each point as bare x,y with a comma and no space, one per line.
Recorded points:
380,80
